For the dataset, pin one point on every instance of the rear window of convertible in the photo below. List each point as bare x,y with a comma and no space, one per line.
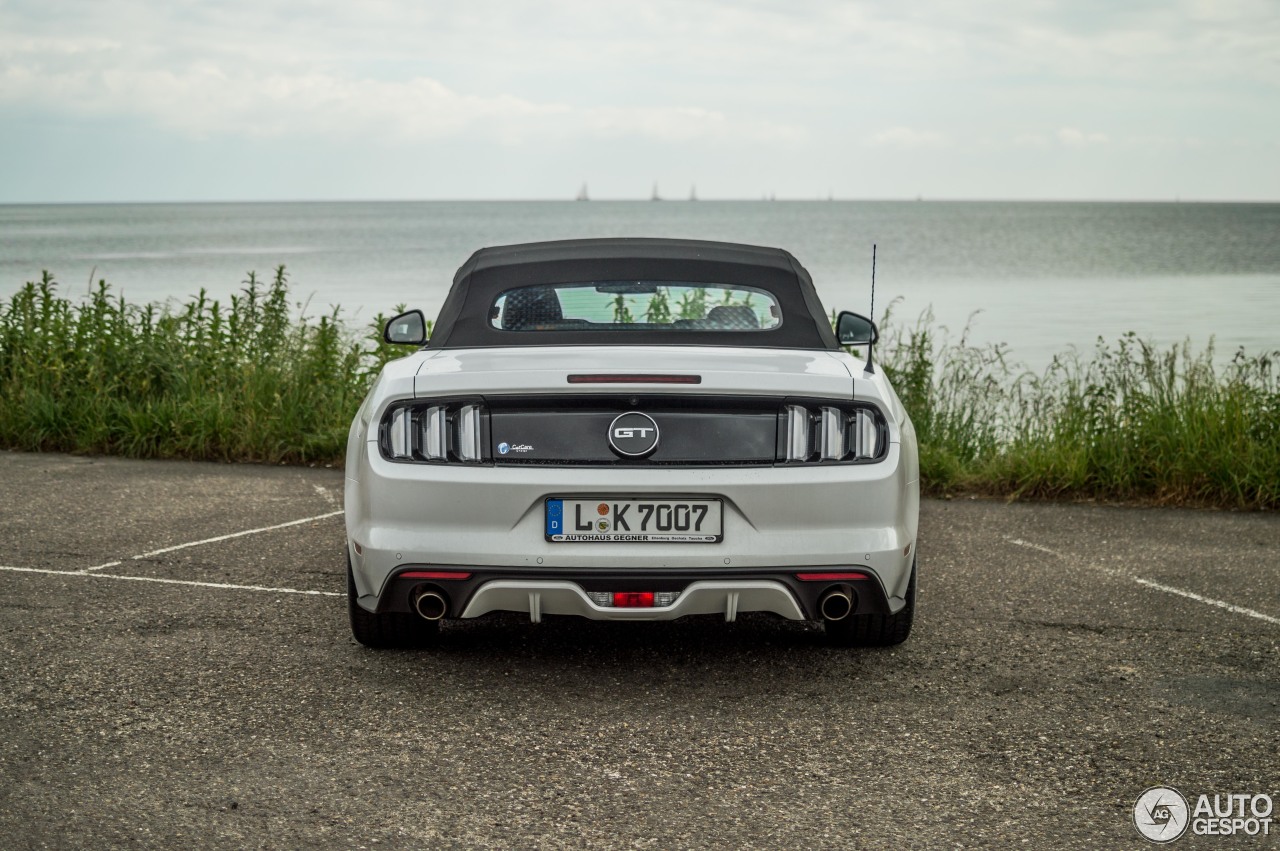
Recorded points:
635,306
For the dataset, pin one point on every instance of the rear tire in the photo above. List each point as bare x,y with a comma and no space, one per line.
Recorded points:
876,630
389,629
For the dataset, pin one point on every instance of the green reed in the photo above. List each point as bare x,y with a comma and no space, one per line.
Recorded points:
1132,422
252,380
257,379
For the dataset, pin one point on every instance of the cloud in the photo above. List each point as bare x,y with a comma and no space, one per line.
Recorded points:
736,85
205,100
1075,138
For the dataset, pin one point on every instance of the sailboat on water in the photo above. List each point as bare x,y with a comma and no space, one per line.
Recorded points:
655,196
582,194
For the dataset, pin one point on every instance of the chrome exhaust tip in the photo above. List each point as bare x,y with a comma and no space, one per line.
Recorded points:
836,604
430,605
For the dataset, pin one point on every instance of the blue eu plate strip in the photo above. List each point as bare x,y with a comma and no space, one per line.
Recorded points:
555,517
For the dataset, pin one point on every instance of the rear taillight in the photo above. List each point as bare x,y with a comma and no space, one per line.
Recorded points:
434,432
831,434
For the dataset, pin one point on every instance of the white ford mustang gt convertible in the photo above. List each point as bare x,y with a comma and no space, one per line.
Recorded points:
632,429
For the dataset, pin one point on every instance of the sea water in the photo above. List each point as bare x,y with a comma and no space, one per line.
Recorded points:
1039,277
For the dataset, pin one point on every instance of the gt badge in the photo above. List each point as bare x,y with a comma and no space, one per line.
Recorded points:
633,434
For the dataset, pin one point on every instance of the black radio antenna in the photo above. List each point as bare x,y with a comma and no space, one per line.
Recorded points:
870,367
873,282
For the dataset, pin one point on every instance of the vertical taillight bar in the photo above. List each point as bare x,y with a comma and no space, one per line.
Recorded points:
797,433
469,433
866,442
400,434
435,434
834,422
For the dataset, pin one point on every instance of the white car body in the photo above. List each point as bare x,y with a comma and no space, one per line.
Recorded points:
853,525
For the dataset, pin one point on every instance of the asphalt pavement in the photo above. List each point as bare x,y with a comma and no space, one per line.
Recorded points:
176,670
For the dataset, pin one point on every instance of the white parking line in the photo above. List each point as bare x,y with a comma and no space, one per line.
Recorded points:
1156,586
233,535
1021,543
90,571
224,585
1221,604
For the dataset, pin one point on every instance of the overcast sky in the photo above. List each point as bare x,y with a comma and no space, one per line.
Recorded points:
122,100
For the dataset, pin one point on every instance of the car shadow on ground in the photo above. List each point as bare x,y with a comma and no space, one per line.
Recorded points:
755,651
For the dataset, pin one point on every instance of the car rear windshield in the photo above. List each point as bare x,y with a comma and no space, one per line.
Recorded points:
635,306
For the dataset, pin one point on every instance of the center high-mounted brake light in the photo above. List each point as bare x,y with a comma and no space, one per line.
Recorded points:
635,379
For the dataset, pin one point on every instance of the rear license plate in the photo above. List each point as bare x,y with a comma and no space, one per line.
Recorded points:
604,519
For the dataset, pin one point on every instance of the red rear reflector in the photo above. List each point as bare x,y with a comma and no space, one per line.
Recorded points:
633,599
635,379
435,574
829,577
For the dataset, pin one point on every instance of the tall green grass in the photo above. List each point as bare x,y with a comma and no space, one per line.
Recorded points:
253,380
1131,422
260,380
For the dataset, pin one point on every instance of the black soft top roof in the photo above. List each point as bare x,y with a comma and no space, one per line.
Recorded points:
464,318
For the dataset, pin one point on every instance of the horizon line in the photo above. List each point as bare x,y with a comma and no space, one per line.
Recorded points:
632,199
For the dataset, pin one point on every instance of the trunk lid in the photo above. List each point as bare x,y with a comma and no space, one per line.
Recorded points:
722,371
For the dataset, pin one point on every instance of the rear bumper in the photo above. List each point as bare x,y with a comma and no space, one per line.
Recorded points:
539,597
545,592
